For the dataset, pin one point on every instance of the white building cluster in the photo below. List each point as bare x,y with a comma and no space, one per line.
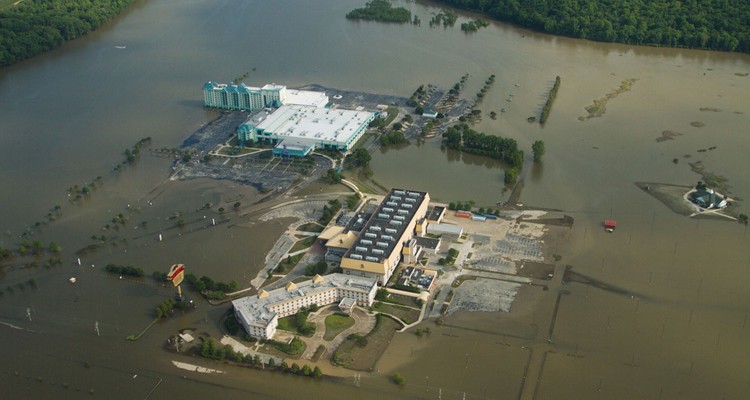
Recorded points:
259,314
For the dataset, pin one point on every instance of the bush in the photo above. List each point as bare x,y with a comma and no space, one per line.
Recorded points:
398,379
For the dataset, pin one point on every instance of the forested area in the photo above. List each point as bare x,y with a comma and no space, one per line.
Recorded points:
463,138
32,27
705,24
381,10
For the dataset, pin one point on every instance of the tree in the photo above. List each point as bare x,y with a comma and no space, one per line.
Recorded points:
359,158
294,368
54,247
332,176
538,149
511,176
306,370
398,379
317,373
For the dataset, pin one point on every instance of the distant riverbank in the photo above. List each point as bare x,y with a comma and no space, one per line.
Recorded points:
32,28
719,26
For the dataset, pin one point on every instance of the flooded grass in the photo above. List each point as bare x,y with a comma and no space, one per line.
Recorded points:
361,353
600,105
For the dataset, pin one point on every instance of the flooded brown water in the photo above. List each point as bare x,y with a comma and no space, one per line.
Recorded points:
674,328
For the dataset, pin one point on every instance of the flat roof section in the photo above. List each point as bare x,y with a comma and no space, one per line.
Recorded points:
386,226
305,98
255,309
435,213
319,124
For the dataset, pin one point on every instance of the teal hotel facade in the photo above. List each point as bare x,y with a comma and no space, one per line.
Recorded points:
240,97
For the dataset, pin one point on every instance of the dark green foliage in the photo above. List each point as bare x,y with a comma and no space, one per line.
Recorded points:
293,348
743,219
165,308
207,286
210,348
332,176
30,28
473,26
716,25
461,137
511,176
445,17
550,98
318,268
352,201
329,211
124,270
358,158
538,149
381,10
394,137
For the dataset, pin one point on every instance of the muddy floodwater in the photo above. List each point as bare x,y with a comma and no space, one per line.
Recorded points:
657,309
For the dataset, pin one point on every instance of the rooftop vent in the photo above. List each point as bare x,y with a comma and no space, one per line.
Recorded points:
372,259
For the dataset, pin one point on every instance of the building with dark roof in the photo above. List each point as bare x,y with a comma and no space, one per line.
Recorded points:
378,249
707,198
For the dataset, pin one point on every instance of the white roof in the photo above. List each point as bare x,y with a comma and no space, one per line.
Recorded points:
445,228
273,86
318,124
305,98
256,311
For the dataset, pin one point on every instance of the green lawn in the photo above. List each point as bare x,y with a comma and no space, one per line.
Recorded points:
287,264
290,324
311,227
303,244
335,324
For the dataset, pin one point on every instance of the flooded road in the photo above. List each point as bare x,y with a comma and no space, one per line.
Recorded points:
675,330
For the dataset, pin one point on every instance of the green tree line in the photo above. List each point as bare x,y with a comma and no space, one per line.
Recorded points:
704,24
463,138
381,10
32,27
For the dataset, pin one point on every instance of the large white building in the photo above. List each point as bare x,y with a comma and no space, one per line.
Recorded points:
260,314
298,129
385,237
249,98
